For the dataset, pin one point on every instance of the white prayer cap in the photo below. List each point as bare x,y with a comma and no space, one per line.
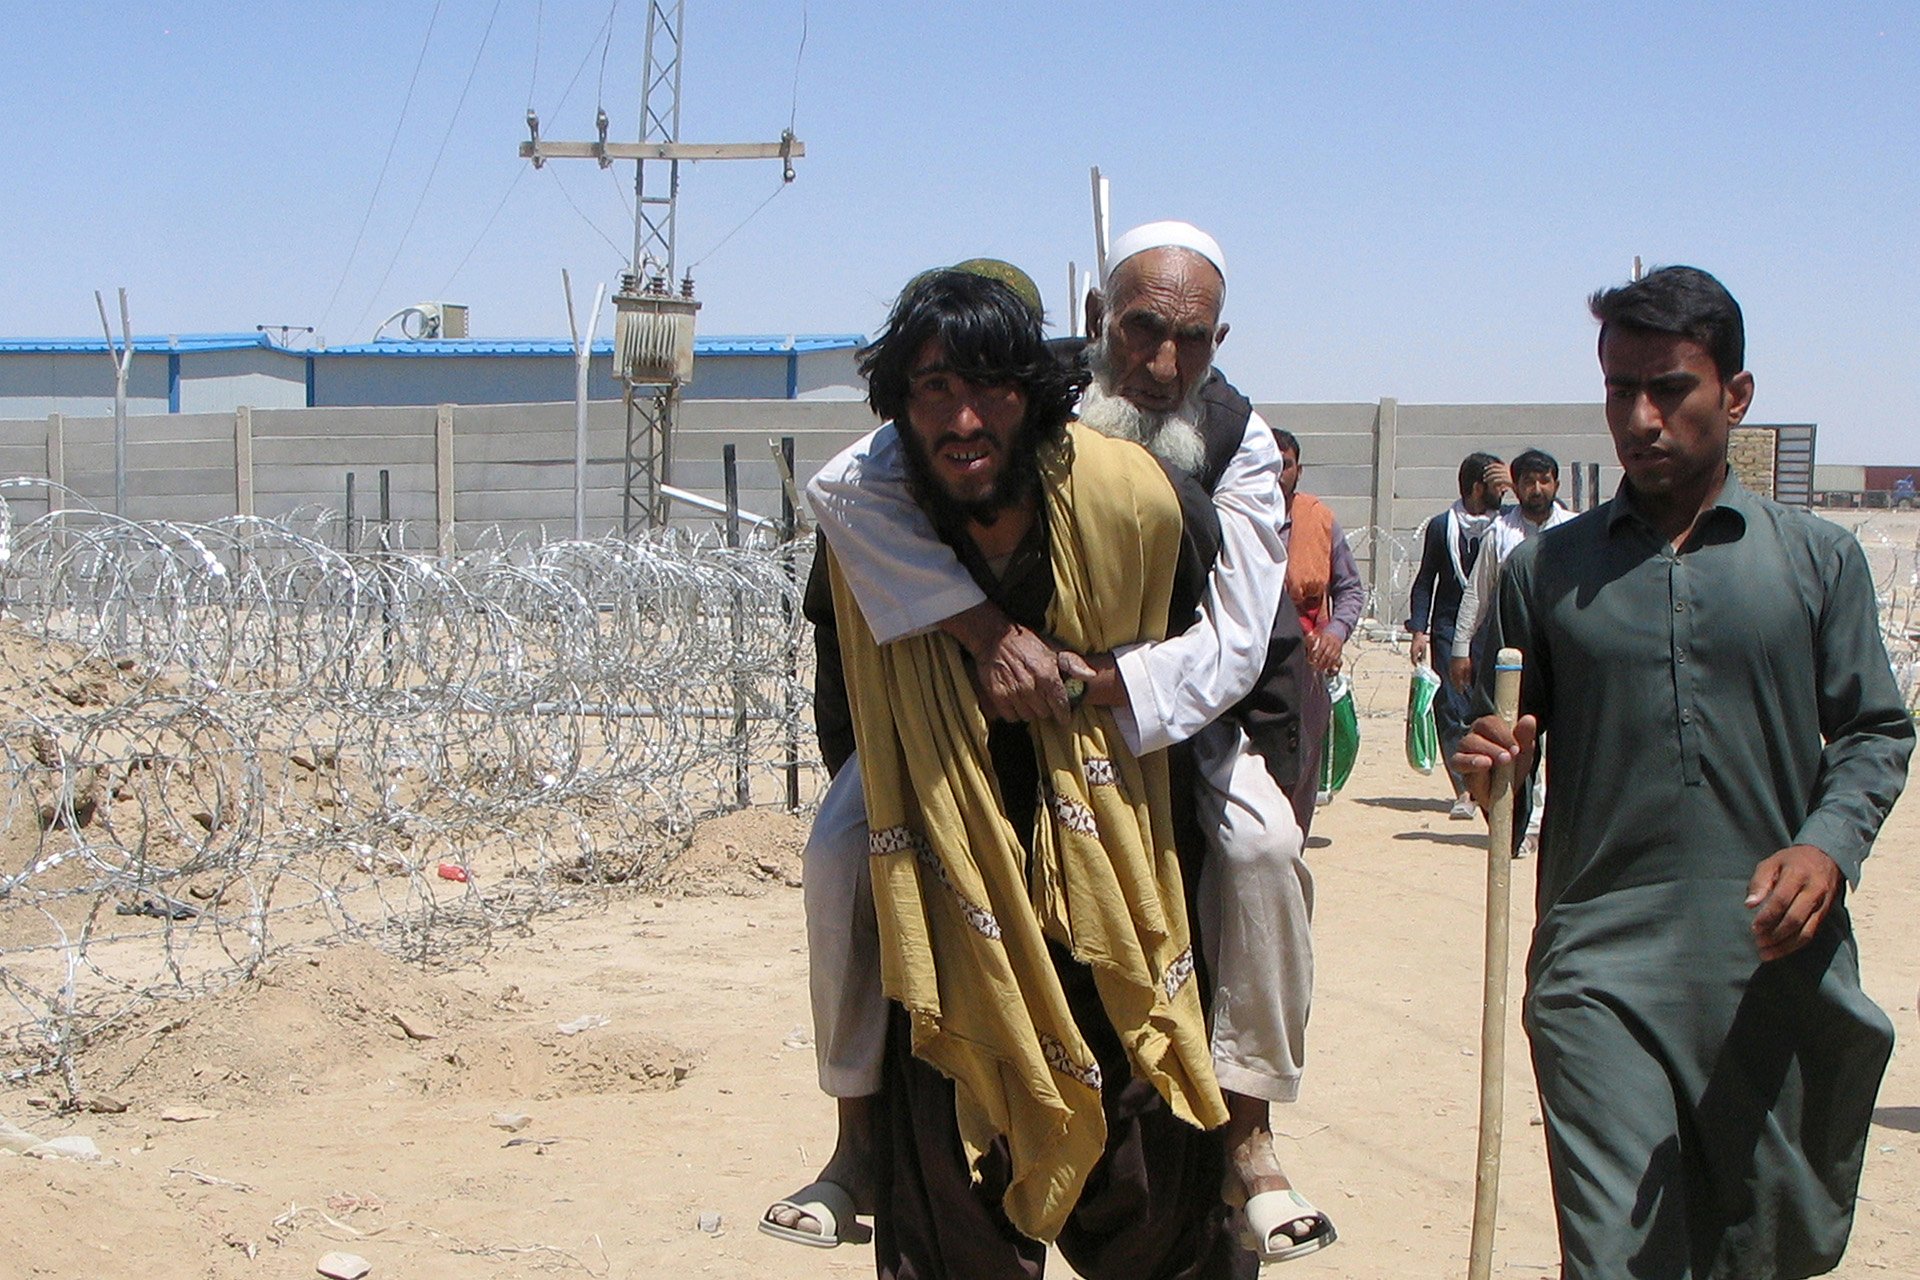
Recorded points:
1167,235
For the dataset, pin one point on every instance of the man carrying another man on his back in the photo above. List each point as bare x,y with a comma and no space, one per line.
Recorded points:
1154,332
1046,1073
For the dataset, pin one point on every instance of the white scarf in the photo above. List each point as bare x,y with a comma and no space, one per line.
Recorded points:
1462,521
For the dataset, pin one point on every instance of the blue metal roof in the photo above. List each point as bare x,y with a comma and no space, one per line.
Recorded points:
742,345
719,345
141,342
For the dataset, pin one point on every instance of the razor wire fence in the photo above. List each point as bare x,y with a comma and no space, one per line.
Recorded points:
226,738
1891,541
221,739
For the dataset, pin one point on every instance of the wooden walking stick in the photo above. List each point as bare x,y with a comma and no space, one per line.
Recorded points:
1493,1013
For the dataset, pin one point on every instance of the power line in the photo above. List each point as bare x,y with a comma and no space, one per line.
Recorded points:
519,174
539,21
622,253
585,58
521,170
600,90
793,111
793,115
621,188
381,180
742,226
426,186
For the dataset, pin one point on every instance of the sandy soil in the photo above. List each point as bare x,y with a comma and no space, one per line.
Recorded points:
347,1102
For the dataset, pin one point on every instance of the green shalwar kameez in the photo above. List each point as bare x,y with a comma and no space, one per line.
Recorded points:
1706,1114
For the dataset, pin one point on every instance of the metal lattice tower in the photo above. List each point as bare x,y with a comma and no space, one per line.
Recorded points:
651,412
653,405
653,227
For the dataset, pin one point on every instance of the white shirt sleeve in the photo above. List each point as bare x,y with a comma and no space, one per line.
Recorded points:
1483,584
1179,686
1481,581
906,579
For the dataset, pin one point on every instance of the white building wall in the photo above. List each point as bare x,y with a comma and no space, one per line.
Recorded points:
35,384
222,381
831,375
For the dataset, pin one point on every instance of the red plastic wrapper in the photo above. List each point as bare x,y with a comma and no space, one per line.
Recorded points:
449,871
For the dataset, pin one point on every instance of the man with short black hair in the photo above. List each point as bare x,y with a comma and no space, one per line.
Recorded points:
1535,481
1536,485
1725,739
1450,545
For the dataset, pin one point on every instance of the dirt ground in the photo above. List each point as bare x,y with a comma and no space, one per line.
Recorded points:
620,1092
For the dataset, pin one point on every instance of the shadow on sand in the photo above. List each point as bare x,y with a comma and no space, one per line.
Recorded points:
1462,839
1406,804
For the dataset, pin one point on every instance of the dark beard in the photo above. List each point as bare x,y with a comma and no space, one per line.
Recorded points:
949,516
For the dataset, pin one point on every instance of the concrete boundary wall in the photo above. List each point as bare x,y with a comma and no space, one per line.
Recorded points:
458,470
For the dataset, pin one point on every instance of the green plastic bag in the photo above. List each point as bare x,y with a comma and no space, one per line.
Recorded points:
1343,737
1423,734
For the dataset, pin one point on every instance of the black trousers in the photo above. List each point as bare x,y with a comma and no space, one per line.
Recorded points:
1151,1209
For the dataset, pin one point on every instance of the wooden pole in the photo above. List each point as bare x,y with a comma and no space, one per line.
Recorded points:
730,471
1493,1015
789,530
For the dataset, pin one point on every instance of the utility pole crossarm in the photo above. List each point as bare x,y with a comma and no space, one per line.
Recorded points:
652,327
544,150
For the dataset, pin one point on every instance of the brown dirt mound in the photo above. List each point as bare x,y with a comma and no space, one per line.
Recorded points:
349,1015
49,677
539,1063
307,1021
741,854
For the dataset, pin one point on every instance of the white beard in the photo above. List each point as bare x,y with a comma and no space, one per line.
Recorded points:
1173,436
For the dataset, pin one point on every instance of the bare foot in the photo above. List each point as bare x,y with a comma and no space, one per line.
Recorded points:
1253,1166
1250,1154
850,1167
1256,1167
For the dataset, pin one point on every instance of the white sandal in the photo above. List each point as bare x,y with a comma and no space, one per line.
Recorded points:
827,1203
1264,1220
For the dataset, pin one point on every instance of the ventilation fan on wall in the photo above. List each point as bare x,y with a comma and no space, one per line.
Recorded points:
426,321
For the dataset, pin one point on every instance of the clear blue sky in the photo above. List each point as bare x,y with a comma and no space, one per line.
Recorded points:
1414,199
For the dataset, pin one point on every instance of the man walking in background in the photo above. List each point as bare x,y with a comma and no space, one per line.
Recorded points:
1450,545
1536,483
1327,592
1536,487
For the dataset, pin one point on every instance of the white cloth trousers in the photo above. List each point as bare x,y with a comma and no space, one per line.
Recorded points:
843,942
1255,909
1255,905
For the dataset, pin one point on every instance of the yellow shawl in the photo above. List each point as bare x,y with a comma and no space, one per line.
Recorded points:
963,929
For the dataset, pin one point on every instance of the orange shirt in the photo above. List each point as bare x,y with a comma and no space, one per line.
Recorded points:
1310,558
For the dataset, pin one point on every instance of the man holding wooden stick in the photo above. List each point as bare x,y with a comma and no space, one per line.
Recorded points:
1727,739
